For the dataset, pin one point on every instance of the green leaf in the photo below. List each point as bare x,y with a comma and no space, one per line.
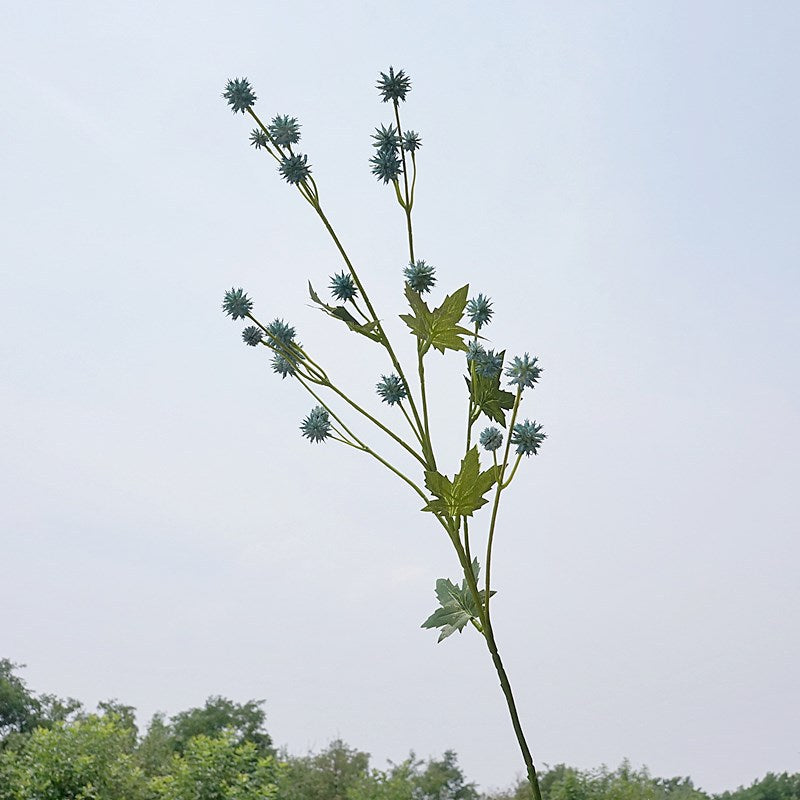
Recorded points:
438,328
464,494
368,329
490,398
457,605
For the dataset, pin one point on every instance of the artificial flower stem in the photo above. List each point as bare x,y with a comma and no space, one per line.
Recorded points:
407,204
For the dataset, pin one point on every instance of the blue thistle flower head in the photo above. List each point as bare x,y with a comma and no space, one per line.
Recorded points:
282,332
412,141
479,310
258,138
317,425
475,350
239,94
491,438
420,276
386,138
524,371
528,437
294,169
252,335
285,130
282,365
343,286
394,86
488,364
391,389
237,304
386,165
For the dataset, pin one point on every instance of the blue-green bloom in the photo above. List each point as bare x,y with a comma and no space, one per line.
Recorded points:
282,365
317,425
479,310
475,350
294,168
386,165
523,371
252,335
239,94
285,130
491,438
258,138
527,437
391,389
420,276
394,86
343,286
412,141
281,331
237,304
488,364
386,138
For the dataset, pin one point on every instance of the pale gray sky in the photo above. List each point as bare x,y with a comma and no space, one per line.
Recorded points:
620,177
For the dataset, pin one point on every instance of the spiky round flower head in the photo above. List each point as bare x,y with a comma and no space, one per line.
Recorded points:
420,276
491,438
282,365
523,371
394,86
294,169
488,364
479,310
412,141
252,335
239,94
386,165
258,138
282,332
343,286
285,130
237,304
317,425
528,437
475,350
386,138
391,389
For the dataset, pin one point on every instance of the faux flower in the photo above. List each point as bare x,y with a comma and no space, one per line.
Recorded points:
491,438
386,165
281,331
394,86
527,437
386,138
420,276
284,130
411,141
343,286
479,310
282,365
258,138
237,304
523,371
488,364
317,425
252,335
391,389
294,169
239,94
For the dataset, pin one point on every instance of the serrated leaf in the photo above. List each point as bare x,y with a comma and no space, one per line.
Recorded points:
464,494
490,398
438,328
457,606
368,329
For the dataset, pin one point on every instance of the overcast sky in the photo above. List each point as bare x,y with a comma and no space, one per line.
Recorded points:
620,177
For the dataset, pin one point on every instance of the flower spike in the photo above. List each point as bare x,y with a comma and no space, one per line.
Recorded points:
527,437
523,371
343,286
252,335
479,310
294,169
491,438
420,276
285,130
391,389
317,425
394,86
237,304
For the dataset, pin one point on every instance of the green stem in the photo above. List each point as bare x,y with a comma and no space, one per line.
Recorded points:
427,433
408,203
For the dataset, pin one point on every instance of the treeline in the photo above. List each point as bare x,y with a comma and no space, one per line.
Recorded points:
53,749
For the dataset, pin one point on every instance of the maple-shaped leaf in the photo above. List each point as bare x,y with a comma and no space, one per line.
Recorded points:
465,493
456,605
489,397
368,329
438,328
